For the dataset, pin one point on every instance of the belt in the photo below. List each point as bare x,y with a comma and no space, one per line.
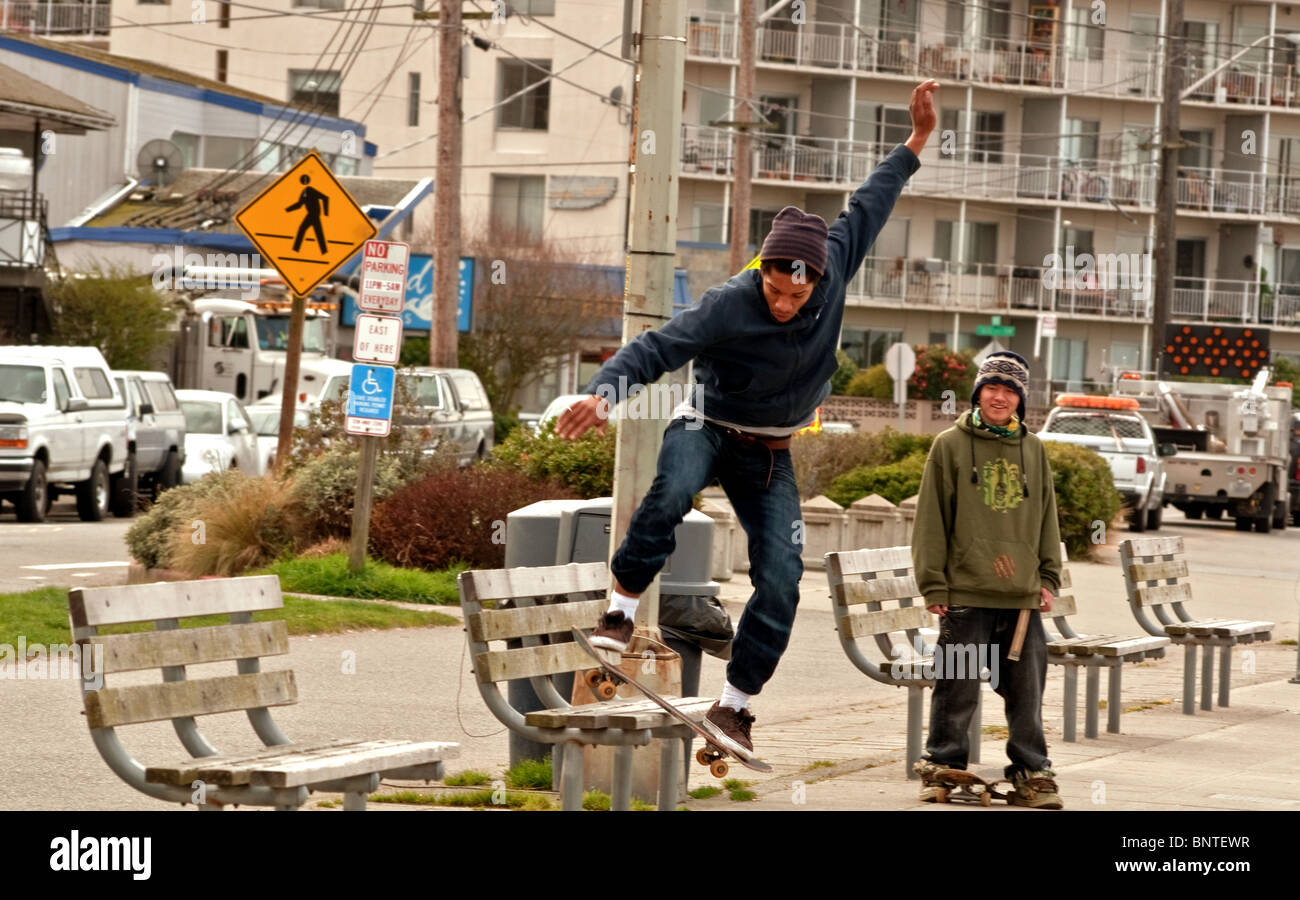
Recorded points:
771,443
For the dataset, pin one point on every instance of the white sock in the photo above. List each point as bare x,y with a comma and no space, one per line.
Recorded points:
623,603
733,698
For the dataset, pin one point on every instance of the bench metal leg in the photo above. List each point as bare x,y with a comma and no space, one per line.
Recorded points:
670,767
915,706
571,779
1071,698
621,795
1189,679
976,732
1207,678
1092,697
1225,673
557,764
1114,698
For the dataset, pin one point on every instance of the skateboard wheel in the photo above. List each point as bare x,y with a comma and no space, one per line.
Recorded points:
718,768
703,756
606,690
593,678
986,799
941,795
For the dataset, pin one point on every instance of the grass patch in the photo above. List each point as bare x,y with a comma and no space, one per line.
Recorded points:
819,764
42,617
1287,643
596,801
998,732
704,793
468,799
328,804
1102,704
639,805
329,575
737,789
468,778
530,774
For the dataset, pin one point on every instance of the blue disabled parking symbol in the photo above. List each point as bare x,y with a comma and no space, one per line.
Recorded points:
370,399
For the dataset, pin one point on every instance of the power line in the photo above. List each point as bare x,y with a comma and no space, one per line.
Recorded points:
268,14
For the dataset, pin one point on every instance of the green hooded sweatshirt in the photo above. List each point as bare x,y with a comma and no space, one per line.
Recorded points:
986,544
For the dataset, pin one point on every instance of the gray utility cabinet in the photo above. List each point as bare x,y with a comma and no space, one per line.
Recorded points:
555,532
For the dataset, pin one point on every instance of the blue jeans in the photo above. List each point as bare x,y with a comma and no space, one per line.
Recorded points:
1020,685
760,485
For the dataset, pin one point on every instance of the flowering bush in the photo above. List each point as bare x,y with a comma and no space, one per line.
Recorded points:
939,369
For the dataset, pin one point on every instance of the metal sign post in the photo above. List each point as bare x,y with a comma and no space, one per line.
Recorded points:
900,363
369,414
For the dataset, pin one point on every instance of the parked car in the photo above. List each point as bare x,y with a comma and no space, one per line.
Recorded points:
63,429
155,435
1113,427
266,425
218,435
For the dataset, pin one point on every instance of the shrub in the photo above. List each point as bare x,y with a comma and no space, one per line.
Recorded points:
844,374
150,538
1085,494
819,458
584,466
939,369
504,424
246,523
894,481
454,515
874,382
114,310
325,486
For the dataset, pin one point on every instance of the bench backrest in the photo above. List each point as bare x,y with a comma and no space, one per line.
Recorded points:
170,648
545,603
1156,576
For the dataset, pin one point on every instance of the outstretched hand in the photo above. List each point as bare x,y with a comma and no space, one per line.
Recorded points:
924,117
591,411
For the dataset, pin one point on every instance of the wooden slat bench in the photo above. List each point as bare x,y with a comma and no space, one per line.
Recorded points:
1156,578
280,775
1071,650
874,596
545,604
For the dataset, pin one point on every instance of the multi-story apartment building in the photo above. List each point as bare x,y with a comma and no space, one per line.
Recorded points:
1048,114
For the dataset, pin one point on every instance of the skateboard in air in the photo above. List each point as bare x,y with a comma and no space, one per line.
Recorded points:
604,682
967,787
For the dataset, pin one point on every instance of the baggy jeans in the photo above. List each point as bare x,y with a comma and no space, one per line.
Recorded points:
1019,683
760,485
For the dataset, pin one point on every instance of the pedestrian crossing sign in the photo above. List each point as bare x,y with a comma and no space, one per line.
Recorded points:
305,224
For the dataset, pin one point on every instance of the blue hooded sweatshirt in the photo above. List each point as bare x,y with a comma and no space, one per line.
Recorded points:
750,369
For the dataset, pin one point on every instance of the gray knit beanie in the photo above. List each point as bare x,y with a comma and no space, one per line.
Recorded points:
798,236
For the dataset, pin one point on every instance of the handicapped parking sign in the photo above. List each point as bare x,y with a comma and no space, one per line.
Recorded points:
370,400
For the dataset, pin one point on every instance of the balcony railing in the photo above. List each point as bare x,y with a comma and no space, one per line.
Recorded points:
1255,84
1120,72
55,18
22,227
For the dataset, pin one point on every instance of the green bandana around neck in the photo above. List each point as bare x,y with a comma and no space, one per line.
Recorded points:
1009,430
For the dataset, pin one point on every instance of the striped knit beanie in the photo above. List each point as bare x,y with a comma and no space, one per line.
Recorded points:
1006,368
798,236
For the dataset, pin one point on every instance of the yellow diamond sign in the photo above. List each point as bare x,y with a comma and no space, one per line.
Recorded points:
305,224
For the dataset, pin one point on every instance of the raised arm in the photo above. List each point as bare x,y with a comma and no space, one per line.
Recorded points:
855,229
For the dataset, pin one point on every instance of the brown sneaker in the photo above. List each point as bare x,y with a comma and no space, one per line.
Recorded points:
1036,790
733,727
613,632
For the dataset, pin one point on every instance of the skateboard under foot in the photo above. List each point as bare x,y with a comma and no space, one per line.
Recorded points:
967,787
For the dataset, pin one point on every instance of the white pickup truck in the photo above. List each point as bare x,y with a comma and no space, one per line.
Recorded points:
63,429
1114,429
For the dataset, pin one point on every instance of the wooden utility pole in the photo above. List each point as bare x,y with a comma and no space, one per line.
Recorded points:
289,394
743,164
446,197
1167,188
652,250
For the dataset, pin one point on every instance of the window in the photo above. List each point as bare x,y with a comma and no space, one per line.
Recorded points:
966,340
94,383
469,392
188,144
238,421
1078,238
228,331
517,204
981,243
201,416
760,223
22,384
1081,141
318,90
412,99
713,107
1124,355
1083,39
1068,357
534,7
867,347
223,19
61,390
986,139
1198,150
709,223
223,60
529,111
781,110
226,152
160,393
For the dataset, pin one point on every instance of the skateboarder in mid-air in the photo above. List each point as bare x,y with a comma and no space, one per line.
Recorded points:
986,550
316,204
764,347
